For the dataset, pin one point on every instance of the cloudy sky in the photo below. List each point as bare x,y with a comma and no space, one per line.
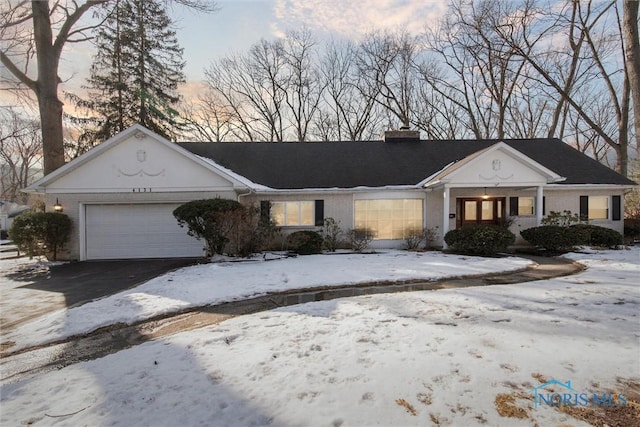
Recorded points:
240,23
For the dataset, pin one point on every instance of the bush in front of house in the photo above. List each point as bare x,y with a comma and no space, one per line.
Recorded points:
305,242
483,240
563,219
554,238
631,229
360,238
213,220
41,233
593,235
413,238
250,232
331,232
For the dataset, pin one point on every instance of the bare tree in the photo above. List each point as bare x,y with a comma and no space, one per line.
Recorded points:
388,63
206,119
597,44
349,110
253,89
20,154
303,84
40,30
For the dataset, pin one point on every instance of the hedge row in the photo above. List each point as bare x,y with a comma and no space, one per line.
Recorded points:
479,239
559,239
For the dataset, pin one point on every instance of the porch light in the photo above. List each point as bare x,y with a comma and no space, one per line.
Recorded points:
485,196
57,207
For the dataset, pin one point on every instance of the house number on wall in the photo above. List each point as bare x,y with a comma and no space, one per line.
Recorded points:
142,190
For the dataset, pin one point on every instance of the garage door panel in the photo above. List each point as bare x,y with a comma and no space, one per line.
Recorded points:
137,231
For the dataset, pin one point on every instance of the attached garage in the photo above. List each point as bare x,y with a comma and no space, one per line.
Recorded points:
141,230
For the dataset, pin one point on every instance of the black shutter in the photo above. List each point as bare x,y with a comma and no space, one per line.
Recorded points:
544,205
513,206
319,213
584,208
616,213
265,211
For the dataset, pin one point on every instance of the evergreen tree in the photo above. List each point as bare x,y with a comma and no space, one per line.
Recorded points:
135,74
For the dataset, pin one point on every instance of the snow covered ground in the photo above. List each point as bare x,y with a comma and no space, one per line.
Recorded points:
458,357
228,281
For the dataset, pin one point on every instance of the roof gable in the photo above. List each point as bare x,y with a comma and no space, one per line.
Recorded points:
498,164
136,160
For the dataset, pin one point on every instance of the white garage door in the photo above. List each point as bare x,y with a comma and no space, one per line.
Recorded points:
137,231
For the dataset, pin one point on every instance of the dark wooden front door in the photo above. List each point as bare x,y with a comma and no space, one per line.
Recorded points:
479,210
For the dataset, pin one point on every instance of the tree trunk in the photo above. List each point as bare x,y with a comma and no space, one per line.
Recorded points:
632,55
49,104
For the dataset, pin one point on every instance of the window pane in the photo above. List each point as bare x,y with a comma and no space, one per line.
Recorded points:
487,210
598,207
292,211
525,206
307,215
470,210
388,218
277,213
499,208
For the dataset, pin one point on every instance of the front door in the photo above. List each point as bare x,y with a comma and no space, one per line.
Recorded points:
479,210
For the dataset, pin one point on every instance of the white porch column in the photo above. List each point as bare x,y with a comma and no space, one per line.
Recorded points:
539,204
445,214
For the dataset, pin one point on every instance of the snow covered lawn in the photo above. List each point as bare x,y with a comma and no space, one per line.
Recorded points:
229,281
458,357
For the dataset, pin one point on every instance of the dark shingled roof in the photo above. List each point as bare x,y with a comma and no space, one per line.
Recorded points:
376,163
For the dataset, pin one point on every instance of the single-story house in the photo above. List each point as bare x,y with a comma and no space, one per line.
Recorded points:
121,194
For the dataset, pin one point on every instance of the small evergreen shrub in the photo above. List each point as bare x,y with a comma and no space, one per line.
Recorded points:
360,238
305,242
631,229
479,239
41,233
553,238
593,235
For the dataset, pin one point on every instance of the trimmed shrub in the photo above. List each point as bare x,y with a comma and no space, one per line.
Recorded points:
305,242
593,235
479,239
41,233
211,219
553,238
632,229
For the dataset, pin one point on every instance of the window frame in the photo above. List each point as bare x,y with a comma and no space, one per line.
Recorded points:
388,219
607,209
533,206
298,213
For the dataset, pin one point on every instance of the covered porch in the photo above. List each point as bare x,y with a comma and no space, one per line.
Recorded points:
498,186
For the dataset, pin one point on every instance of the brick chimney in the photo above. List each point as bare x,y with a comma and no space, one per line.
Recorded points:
401,135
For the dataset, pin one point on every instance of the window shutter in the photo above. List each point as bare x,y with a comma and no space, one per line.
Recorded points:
265,211
584,208
544,205
319,213
513,206
616,208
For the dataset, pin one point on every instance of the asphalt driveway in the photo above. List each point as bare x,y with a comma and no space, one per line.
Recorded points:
81,282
